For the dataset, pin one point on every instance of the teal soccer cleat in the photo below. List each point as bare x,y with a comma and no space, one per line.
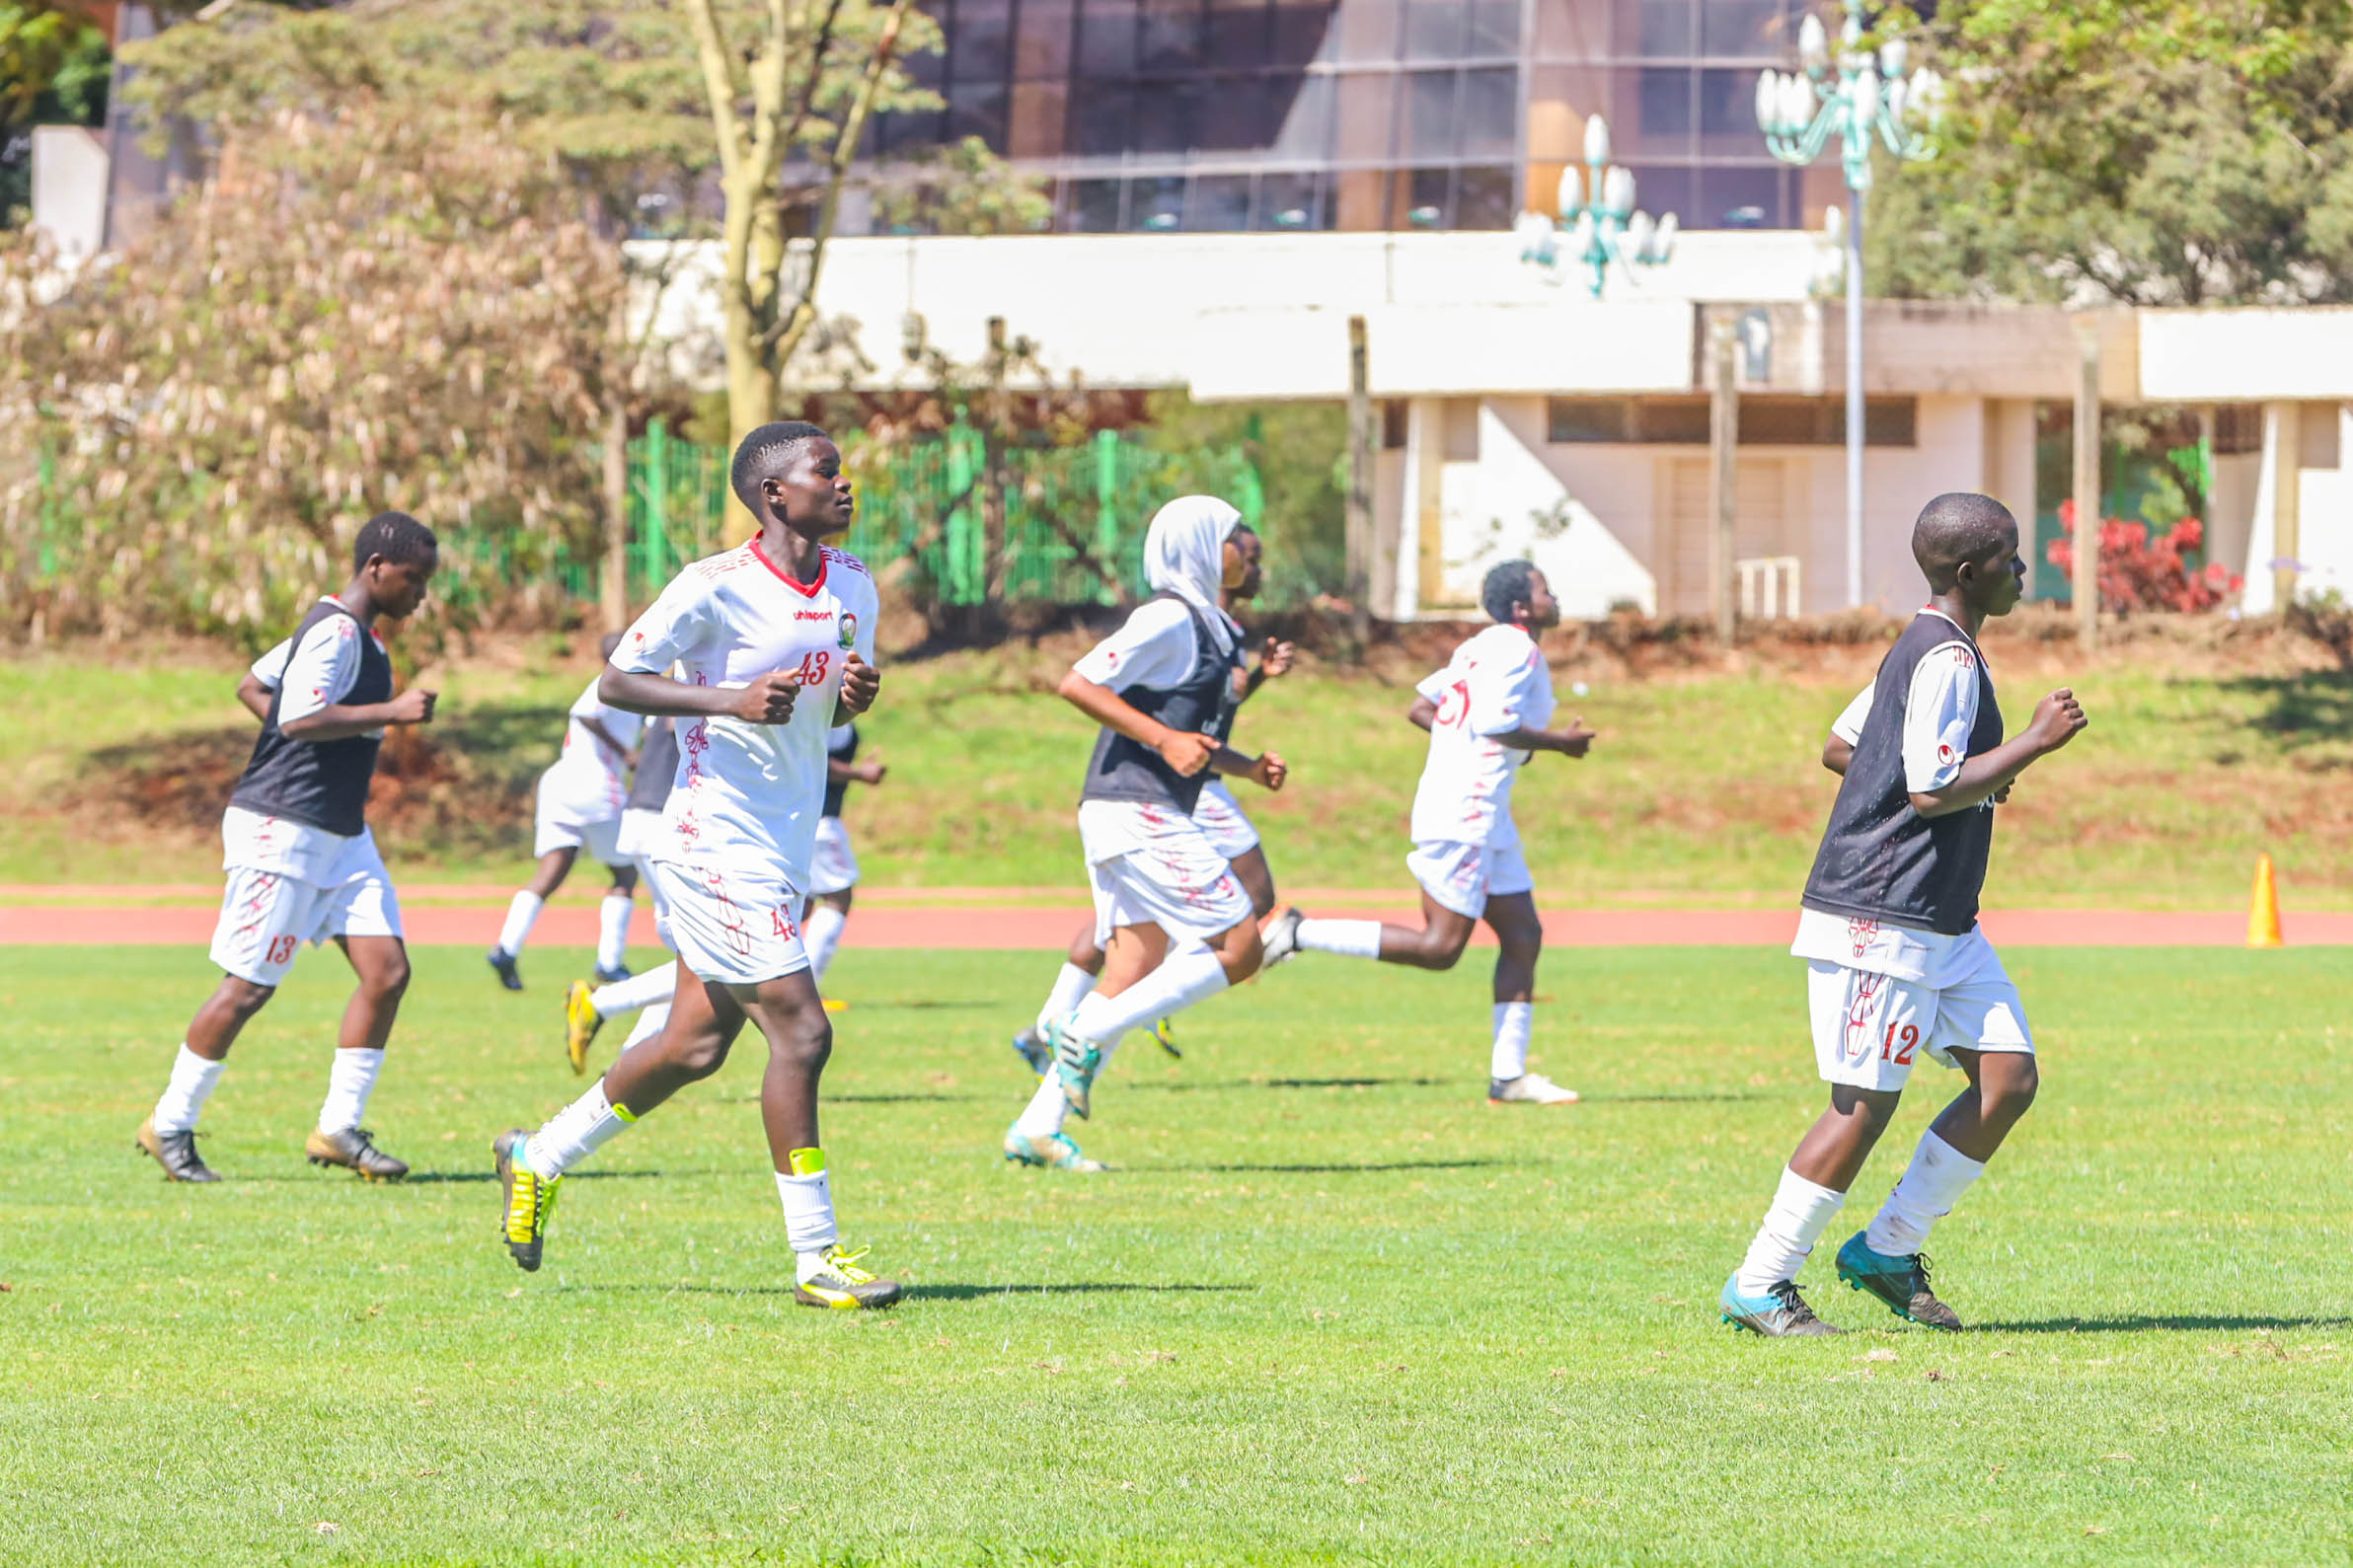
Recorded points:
1779,1313
1035,1054
1076,1061
1901,1282
1054,1151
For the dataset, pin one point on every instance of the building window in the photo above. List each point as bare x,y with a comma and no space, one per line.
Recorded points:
1569,421
1392,425
2238,428
1763,421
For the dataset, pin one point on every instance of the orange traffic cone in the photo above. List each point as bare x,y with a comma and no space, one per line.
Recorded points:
2262,916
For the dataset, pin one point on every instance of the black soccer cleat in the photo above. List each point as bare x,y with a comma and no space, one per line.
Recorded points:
499,959
612,976
1779,1313
1901,1282
354,1149
175,1152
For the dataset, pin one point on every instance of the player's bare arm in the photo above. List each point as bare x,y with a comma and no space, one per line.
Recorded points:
766,700
342,720
1575,741
1837,753
1423,715
1268,770
1183,750
860,684
254,695
605,738
1273,660
2058,720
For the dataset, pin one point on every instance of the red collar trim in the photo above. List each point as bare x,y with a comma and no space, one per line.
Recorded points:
808,590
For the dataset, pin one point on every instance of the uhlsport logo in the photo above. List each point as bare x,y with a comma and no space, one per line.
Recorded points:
849,637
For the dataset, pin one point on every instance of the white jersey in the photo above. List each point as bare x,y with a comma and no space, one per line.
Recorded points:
316,676
748,796
589,777
1496,683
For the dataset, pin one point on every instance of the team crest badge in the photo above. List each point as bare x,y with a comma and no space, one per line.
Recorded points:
849,637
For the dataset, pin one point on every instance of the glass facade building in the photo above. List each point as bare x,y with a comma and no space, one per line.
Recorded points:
1270,115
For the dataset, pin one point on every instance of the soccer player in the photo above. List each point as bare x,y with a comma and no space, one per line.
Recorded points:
1229,828
586,1009
774,640
581,798
834,871
1174,922
300,862
1896,964
1485,713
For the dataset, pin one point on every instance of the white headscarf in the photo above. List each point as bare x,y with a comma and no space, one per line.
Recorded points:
1184,553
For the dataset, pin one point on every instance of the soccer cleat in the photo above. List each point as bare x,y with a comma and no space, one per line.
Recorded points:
612,976
1163,1035
1280,939
581,1020
527,1201
1035,1054
845,1287
355,1150
1901,1282
503,961
1054,1151
1076,1061
1779,1313
175,1152
1529,1088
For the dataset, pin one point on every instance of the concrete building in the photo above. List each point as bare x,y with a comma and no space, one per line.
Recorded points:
1521,417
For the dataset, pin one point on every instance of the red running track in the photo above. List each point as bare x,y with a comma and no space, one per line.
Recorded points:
891,924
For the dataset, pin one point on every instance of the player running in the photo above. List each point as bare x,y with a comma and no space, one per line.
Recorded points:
586,1009
1229,828
581,798
1175,924
1896,964
774,640
834,871
1485,713
301,865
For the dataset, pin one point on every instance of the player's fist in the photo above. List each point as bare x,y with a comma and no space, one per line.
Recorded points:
1269,771
870,773
1277,657
1577,740
861,681
1186,751
413,706
768,700
2057,719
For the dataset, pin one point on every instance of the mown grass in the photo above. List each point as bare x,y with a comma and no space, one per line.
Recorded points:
1334,1308
1702,790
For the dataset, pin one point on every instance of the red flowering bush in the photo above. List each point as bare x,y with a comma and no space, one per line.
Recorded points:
2137,572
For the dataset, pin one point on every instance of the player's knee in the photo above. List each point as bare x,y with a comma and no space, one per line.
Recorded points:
242,997
698,1055
2007,1094
805,1045
388,980
1440,950
1241,952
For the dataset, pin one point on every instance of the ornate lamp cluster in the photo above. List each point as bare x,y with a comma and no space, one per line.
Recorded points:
1594,231
1799,111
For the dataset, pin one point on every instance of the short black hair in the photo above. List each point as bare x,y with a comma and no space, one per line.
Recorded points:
767,453
1957,526
1508,584
397,537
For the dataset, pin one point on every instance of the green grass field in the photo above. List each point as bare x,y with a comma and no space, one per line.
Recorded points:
1332,1309
1702,790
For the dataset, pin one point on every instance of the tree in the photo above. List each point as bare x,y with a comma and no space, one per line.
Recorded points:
2145,152
376,310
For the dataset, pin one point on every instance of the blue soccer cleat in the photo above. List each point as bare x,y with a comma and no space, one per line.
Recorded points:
1901,1282
1779,1313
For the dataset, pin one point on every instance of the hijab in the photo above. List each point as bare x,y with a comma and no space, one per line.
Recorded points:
1184,553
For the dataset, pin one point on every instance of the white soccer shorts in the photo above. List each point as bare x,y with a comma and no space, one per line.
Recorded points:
1220,817
1149,866
1463,876
1870,1029
641,833
266,916
737,926
834,866
564,825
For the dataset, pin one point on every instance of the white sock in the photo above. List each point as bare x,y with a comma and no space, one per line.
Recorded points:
349,1082
821,933
1071,987
521,915
1924,1194
638,991
1801,1212
1350,938
612,929
193,1081
650,1023
1044,1116
808,1213
1189,974
1513,1022
575,1132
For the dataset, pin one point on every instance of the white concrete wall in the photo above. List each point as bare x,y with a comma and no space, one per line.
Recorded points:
2325,521
2249,355
69,189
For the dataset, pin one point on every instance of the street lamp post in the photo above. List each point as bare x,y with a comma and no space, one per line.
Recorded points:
1603,229
1859,98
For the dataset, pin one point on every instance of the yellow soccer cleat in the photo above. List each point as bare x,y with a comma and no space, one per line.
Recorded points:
836,1005
527,1201
842,1286
581,1020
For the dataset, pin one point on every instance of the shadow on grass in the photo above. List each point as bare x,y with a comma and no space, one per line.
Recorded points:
920,1004
2306,710
1291,1083
431,1178
1352,1171
865,1099
937,1292
2142,1324
1697,1098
